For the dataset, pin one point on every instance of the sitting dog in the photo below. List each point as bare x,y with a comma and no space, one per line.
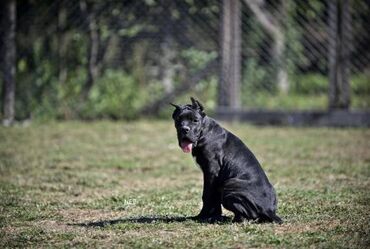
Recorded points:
232,175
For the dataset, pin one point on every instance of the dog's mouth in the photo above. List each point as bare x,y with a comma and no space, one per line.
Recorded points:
186,145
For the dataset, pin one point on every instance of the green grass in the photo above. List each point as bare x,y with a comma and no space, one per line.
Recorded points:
127,184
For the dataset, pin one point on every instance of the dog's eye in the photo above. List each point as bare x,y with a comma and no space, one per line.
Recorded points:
195,120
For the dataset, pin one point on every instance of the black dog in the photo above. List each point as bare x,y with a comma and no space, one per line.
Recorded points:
232,175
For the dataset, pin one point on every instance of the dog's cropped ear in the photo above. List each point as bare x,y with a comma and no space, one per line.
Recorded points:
176,106
177,110
197,105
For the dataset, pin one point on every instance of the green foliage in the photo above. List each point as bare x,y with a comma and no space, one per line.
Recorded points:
257,71
130,52
360,84
310,84
255,78
294,56
205,91
197,59
307,91
114,95
36,94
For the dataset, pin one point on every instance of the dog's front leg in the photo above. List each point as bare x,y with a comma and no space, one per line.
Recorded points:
211,198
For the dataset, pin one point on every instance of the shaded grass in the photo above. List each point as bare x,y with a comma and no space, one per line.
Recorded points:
116,184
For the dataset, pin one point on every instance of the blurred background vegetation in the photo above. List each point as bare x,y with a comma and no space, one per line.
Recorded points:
94,59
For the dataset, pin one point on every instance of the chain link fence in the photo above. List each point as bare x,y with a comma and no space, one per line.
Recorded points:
286,53
118,58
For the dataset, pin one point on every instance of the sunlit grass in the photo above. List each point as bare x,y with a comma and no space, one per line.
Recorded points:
127,184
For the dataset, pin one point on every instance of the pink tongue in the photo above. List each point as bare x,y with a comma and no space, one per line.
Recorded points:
186,147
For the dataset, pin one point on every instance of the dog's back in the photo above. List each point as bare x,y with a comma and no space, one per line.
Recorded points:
245,187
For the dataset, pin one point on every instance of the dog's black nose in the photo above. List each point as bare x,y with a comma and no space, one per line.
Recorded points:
185,129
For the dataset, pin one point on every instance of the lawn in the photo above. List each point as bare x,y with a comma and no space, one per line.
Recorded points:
127,184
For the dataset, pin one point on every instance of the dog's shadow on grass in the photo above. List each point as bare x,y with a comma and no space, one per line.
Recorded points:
148,220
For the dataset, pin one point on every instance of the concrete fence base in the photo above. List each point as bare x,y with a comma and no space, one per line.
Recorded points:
334,118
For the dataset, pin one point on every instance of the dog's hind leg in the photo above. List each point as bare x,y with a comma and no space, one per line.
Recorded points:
245,205
240,206
240,210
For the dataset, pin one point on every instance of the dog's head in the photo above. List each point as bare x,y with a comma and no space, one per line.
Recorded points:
188,122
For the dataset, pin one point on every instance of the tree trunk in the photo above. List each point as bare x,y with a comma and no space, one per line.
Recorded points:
229,85
339,49
62,42
8,32
271,25
92,67
167,63
168,52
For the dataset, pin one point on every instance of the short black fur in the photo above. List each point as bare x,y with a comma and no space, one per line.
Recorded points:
232,175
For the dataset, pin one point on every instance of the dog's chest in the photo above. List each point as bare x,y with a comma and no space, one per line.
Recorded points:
206,162
200,161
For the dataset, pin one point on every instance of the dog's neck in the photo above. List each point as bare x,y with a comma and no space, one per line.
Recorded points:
210,126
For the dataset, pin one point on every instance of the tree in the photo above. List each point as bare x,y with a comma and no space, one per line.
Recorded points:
229,85
340,32
87,9
8,31
62,42
271,25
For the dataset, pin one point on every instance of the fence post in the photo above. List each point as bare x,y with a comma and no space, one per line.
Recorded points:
339,53
8,60
230,50
346,45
